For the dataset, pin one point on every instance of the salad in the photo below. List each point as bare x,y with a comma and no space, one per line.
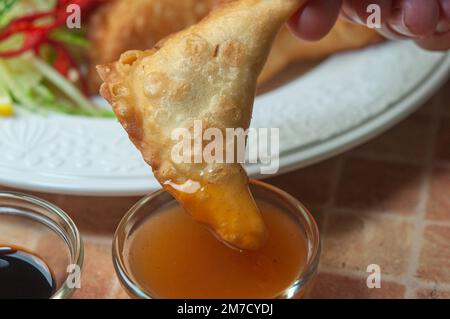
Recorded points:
41,60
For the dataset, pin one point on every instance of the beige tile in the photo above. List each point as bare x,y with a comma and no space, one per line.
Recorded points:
310,185
434,261
354,241
329,286
379,186
432,294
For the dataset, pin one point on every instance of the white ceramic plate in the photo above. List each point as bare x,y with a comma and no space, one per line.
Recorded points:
343,102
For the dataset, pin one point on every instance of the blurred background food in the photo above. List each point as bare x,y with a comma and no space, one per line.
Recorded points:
112,32
41,60
44,66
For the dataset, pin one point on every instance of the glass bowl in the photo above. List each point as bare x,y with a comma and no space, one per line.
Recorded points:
48,232
152,203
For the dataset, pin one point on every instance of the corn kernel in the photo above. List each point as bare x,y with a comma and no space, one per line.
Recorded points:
6,108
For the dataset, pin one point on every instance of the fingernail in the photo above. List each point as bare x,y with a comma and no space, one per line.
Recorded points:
443,26
398,24
351,15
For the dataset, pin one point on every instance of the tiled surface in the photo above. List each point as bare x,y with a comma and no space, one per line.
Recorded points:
348,233
375,185
98,273
432,294
434,259
438,205
385,203
329,285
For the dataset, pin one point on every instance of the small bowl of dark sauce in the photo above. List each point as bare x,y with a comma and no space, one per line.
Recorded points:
41,251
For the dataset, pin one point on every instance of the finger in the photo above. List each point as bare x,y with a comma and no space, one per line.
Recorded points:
440,40
445,9
316,19
436,42
357,10
444,23
415,18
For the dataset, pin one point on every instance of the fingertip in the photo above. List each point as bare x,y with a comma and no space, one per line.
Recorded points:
315,20
438,42
421,16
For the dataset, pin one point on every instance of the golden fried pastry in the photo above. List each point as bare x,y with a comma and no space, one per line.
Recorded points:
207,72
123,25
112,32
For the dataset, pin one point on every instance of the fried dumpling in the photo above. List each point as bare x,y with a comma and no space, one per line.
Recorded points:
122,25
207,72
147,21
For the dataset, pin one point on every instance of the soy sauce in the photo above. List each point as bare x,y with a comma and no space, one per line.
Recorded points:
24,275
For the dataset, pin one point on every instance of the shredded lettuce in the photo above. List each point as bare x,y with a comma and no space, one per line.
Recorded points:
5,7
17,90
83,105
5,96
37,87
30,80
70,37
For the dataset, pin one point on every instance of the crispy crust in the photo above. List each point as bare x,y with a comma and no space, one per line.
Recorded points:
207,72
112,32
122,25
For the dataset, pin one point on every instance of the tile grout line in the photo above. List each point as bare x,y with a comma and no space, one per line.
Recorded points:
96,239
329,205
439,223
335,183
393,215
411,283
354,274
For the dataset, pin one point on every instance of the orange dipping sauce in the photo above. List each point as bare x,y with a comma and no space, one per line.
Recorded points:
172,256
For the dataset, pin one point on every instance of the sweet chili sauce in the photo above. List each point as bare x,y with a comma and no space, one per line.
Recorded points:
172,256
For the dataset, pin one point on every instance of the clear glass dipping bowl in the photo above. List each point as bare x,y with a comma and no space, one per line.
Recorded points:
46,231
152,203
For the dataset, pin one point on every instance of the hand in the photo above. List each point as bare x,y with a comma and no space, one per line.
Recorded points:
425,21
